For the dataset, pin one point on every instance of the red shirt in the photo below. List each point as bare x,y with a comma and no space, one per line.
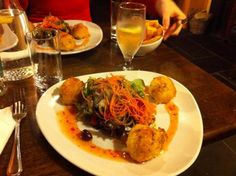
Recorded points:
66,9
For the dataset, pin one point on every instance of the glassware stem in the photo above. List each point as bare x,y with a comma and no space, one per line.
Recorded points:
130,30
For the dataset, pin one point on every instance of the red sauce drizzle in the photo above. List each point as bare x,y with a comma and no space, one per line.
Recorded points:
68,123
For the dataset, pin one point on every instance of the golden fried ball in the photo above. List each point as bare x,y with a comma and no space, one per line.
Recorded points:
70,91
145,143
162,89
67,41
80,31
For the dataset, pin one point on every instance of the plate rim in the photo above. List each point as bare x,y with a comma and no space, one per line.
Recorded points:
136,72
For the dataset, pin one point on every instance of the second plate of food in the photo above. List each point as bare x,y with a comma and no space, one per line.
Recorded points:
95,37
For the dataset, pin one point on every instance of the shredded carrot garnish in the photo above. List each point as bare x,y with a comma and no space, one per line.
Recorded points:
122,101
53,22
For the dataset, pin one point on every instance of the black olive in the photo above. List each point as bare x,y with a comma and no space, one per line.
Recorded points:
120,129
86,135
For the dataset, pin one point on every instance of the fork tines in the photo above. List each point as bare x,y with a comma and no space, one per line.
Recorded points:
19,99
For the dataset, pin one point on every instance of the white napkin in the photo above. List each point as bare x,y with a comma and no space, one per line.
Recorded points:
7,125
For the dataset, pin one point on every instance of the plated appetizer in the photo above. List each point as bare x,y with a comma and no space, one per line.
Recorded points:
71,37
121,110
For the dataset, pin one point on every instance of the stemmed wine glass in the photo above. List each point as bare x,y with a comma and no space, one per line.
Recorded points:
130,30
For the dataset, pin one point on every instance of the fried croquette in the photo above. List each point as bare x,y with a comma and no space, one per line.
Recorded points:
67,42
70,91
162,89
145,143
80,31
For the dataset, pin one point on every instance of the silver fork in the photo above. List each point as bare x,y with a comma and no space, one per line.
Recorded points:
18,113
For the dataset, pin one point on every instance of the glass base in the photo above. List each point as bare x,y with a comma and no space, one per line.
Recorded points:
43,83
126,68
127,65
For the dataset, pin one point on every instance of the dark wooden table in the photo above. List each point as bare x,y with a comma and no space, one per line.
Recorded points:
216,102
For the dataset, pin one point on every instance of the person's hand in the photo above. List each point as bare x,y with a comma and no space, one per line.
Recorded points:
169,11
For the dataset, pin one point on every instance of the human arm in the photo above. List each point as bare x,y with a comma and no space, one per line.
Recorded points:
169,12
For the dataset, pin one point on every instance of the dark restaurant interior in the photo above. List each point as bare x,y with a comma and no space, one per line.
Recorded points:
208,44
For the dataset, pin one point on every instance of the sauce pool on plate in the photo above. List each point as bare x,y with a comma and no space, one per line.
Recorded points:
68,124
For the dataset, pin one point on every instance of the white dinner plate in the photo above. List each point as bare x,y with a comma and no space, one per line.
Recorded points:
96,36
9,38
182,151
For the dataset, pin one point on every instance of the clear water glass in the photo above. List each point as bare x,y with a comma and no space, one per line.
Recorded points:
46,56
14,51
